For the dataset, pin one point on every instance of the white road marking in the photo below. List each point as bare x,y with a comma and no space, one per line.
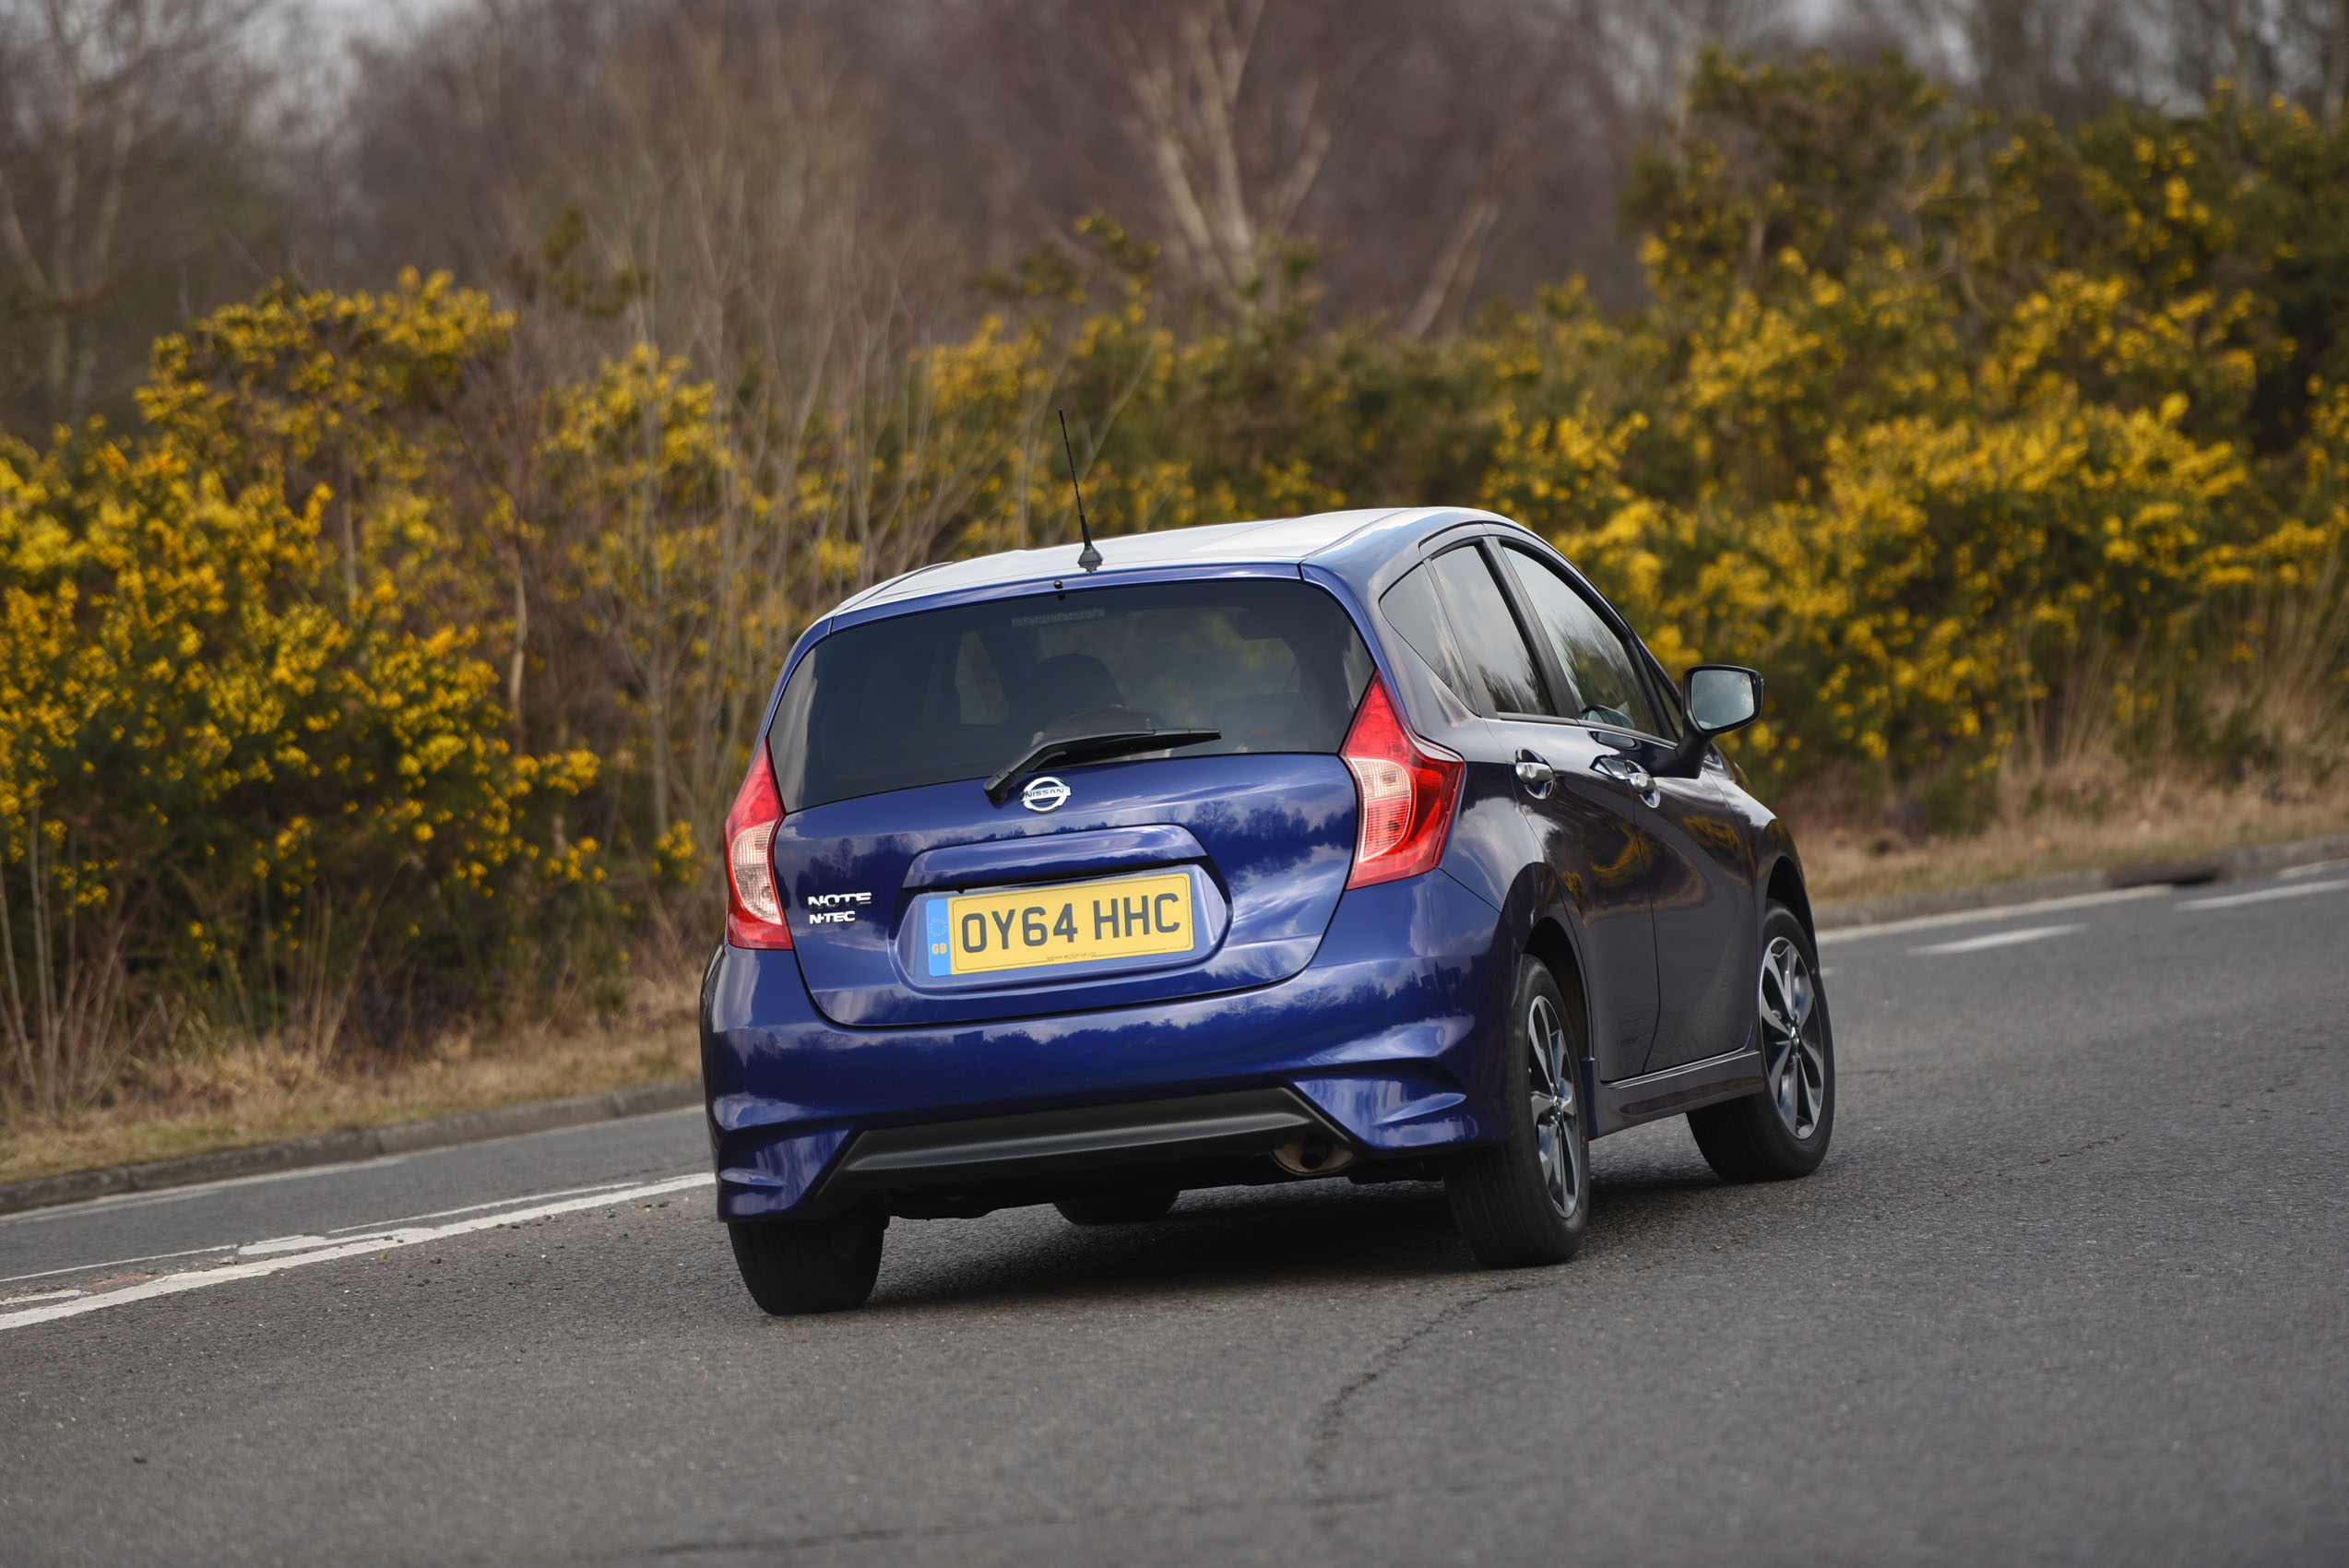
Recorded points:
1997,939
199,1279
2003,911
282,1245
2291,890
296,1243
56,1212
2318,868
8,1302
375,1225
117,1263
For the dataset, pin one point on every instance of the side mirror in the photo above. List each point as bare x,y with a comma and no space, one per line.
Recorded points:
1723,697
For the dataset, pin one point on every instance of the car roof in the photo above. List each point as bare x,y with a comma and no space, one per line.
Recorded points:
1271,541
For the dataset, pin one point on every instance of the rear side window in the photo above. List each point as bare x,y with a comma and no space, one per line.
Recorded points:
1606,682
1411,609
1506,678
947,695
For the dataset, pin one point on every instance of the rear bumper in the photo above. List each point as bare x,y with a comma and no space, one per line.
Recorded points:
1382,1039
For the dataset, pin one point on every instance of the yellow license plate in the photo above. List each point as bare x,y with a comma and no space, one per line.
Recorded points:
973,933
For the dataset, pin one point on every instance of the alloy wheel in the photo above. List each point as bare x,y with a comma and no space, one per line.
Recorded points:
1557,1110
1795,1060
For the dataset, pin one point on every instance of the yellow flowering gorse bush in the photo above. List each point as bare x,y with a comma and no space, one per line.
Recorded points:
252,780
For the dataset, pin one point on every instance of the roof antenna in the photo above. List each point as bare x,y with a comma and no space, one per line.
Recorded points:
1088,558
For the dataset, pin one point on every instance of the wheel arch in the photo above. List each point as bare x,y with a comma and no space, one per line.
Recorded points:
1785,885
1548,941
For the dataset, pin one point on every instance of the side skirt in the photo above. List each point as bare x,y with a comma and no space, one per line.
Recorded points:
1630,1101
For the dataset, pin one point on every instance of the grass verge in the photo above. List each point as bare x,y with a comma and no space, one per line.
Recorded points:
234,1097
1845,860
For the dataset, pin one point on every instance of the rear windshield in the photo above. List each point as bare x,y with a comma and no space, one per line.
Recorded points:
1273,665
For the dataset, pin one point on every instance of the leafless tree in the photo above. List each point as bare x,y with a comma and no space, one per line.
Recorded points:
1427,155
125,148
1231,168
2068,58
2064,58
689,177
2298,49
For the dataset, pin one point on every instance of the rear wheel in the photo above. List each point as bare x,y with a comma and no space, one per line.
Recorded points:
1526,1202
1128,1203
809,1266
1782,1131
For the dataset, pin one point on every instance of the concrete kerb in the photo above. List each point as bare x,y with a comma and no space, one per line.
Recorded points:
474,1126
341,1149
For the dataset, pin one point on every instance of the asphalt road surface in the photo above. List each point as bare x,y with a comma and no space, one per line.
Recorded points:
2072,1287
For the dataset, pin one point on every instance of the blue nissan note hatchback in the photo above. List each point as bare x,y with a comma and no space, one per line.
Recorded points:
1370,845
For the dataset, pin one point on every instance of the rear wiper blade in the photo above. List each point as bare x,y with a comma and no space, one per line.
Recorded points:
1098,745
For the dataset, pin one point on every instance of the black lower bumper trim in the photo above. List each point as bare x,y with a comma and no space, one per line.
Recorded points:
1058,1143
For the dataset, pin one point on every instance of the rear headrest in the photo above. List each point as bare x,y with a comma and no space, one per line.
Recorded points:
1070,682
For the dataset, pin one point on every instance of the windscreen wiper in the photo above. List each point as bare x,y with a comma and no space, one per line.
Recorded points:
1095,745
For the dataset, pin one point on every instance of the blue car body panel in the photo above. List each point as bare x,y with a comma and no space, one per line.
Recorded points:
1379,1004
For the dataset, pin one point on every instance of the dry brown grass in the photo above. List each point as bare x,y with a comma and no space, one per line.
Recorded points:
233,1094
2047,826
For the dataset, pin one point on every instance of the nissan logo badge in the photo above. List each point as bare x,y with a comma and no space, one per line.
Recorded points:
1044,794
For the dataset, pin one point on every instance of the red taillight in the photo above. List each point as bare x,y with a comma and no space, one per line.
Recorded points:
753,907
1407,789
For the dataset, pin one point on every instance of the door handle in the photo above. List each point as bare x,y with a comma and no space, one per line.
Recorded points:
1535,774
1624,771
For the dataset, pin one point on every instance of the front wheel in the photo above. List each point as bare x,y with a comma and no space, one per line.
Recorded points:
1526,1202
809,1266
1782,1131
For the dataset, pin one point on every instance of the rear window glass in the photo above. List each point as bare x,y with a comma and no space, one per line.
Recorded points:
947,695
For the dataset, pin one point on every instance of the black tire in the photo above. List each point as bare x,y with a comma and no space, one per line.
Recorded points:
1128,1203
1526,1202
1782,1131
809,1266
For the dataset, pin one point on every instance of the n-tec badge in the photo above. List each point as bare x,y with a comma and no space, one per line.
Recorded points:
1044,794
824,908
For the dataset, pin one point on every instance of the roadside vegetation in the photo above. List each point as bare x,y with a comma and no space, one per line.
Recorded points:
371,688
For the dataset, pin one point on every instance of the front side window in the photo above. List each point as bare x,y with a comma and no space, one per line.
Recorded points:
947,695
1606,685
